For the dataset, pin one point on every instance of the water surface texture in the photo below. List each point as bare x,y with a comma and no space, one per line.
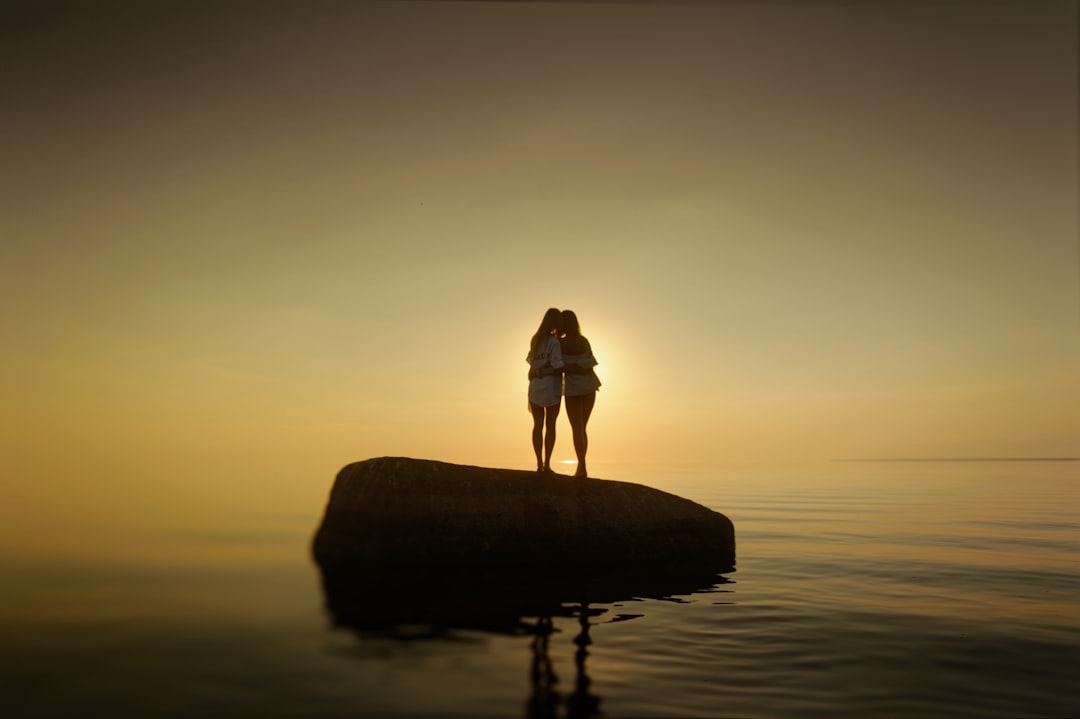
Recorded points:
861,589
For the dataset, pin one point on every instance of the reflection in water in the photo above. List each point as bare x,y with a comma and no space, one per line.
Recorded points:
425,603
545,698
581,703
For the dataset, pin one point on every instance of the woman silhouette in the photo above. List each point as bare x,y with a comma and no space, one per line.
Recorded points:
545,385
581,384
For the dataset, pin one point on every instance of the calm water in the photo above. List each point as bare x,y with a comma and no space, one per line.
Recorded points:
898,590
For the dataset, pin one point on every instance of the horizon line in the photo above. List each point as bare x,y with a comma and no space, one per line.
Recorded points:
959,459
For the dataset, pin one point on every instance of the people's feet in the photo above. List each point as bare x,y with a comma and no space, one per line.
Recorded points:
547,468
581,472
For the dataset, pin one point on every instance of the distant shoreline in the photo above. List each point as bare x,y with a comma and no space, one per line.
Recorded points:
964,459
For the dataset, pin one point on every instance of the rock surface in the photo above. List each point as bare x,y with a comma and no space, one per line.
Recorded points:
395,512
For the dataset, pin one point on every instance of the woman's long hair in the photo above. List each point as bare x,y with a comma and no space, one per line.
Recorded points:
572,341
552,321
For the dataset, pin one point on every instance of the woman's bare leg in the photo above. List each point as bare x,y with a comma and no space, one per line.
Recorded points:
550,415
578,410
537,433
589,402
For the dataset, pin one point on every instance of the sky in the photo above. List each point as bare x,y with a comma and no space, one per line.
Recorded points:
244,244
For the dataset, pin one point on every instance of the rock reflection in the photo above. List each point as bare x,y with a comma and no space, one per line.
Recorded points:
424,603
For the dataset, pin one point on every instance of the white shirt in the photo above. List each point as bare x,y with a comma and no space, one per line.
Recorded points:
546,390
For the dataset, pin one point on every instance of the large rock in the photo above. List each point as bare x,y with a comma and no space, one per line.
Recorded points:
396,512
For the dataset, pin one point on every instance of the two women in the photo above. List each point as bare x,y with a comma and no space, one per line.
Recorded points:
560,356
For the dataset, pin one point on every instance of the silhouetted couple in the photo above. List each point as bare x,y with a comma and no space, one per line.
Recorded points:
560,363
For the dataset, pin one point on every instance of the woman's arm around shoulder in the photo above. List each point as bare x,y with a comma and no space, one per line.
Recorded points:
555,357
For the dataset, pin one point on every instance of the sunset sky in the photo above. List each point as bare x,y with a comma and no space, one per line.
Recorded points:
244,244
